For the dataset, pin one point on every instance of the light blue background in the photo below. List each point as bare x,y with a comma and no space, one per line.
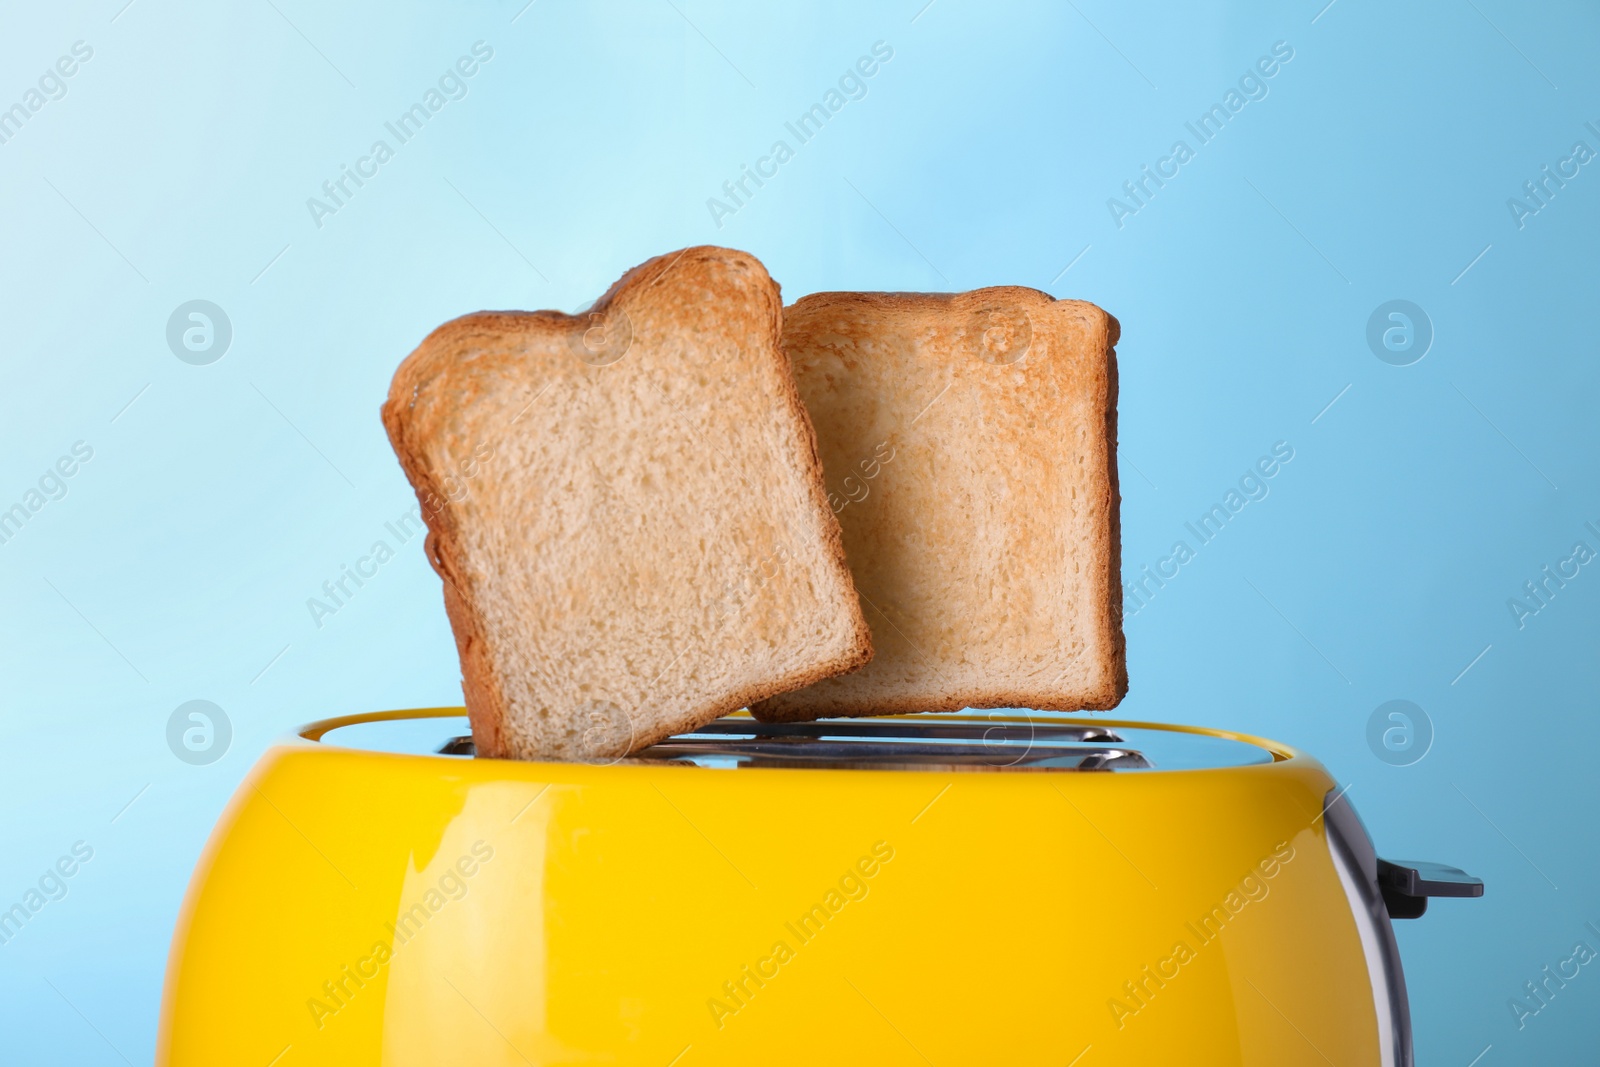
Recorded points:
178,565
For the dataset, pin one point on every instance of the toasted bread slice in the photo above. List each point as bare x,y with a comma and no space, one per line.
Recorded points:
627,510
970,446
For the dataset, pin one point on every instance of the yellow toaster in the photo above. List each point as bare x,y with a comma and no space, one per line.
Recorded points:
986,888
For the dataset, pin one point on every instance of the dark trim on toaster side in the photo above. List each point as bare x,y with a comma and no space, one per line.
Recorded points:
1348,837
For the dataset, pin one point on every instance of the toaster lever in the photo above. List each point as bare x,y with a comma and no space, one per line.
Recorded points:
1407,885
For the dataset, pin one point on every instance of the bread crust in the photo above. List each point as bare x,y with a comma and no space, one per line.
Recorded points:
445,365
823,329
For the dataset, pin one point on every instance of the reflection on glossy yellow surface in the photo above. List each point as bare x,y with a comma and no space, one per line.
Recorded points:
369,908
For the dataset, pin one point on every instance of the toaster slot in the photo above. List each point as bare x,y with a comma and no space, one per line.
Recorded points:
903,744
890,754
1012,739
994,731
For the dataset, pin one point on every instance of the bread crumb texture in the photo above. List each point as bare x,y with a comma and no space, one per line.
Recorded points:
969,444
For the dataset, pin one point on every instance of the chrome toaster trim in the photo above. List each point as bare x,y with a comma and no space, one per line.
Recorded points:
908,744
1356,860
905,744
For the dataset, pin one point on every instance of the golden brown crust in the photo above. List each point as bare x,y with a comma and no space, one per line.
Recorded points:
1113,600
440,364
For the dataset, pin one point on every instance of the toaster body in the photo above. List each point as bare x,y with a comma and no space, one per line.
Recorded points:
983,888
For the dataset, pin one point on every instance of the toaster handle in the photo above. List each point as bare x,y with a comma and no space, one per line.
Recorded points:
1407,885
